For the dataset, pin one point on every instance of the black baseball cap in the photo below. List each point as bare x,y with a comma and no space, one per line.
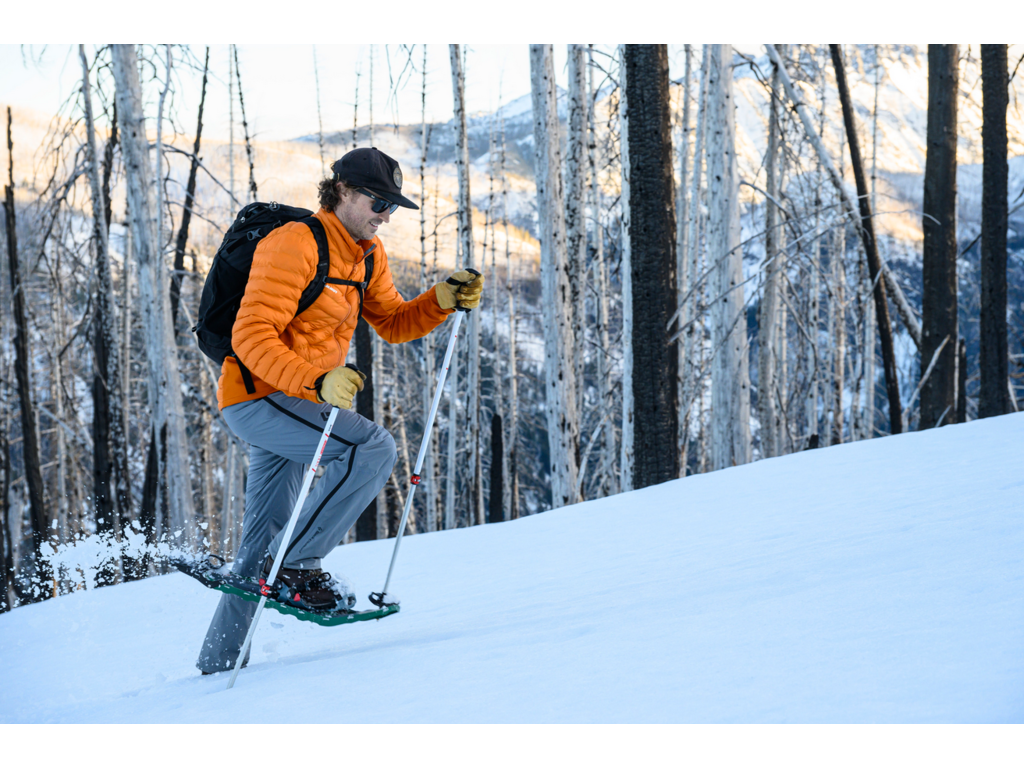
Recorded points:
371,169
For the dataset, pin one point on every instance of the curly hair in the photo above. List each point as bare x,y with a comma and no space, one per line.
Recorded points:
328,193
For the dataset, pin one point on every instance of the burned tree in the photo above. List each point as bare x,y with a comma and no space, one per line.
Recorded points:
938,303
652,264
22,369
993,398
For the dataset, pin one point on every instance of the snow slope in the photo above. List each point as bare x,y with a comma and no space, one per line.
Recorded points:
880,581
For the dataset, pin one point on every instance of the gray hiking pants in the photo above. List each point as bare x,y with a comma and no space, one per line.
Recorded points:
283,433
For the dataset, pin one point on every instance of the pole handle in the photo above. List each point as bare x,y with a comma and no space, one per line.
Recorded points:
453,281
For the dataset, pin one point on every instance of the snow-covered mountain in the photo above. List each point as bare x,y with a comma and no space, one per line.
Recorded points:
878,581
902,73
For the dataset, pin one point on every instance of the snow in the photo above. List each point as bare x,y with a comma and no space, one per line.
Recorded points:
521,107
878,582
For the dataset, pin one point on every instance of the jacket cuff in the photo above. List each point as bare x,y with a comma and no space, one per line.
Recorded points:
437,304
312,393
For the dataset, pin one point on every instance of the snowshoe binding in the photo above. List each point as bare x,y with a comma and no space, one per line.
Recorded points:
309,589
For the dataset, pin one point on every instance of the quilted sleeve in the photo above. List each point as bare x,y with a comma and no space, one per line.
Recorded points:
393,318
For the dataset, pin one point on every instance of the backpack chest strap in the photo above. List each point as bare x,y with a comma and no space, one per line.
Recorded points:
359,286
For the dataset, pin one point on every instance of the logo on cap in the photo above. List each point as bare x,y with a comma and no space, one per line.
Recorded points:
397,176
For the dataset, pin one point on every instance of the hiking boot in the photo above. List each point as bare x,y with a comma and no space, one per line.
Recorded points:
311,588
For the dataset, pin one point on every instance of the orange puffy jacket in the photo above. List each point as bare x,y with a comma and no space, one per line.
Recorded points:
288,353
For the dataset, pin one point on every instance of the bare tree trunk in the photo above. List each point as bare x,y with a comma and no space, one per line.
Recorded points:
245,127
575,209
120,432
768,327
165,523
64,468
367,526
780,352
190,192
165,403
477,509
451,469
490,239
355,113
869,317
227,542
426,280
682,240
691,350
106,385
812,360
497,508
158,173
560,383
370,96
208,458
626,458
837,312
730,380
8,591
495,513
961,392
22,368
231,120
653,264
835,329
121,451
510,502
319,113
411,526
939,297
993,397
605,387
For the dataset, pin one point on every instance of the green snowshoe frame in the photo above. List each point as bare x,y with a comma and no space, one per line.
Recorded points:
326,619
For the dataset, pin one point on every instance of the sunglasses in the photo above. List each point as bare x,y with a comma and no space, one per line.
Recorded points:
379,204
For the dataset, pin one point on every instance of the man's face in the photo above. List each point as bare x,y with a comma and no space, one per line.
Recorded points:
356,215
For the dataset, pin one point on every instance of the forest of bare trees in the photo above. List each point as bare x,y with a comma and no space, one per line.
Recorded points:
662,306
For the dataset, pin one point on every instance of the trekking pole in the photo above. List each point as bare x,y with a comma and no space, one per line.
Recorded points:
265,589
377,598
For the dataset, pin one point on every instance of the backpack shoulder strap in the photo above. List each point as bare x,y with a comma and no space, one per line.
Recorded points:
369,268
323,265
359,286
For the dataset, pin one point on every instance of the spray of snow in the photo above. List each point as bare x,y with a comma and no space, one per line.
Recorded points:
85,559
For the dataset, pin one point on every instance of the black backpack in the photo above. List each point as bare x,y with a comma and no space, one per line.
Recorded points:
229,273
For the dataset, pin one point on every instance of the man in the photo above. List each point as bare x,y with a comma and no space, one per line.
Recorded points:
290,371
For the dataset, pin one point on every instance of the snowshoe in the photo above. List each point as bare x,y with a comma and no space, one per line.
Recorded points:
215,573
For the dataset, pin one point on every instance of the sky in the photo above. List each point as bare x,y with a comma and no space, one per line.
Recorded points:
279,83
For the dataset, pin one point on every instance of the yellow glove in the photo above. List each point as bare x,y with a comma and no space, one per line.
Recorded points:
339,386
463,289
